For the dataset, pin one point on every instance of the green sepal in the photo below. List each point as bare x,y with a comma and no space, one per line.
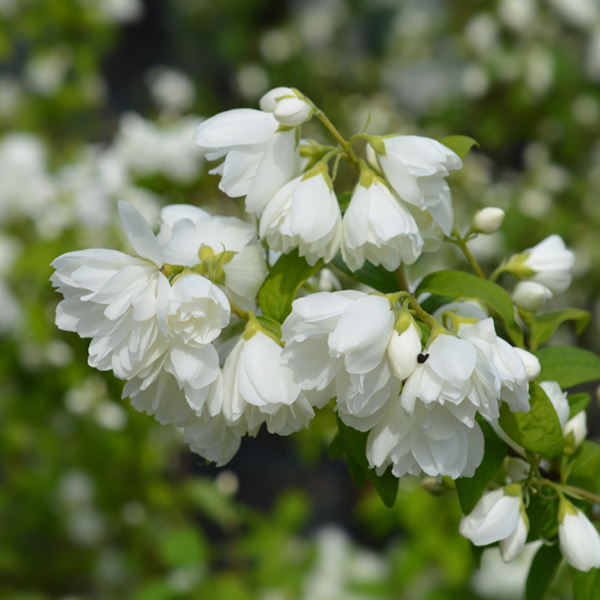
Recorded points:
537,430
459,144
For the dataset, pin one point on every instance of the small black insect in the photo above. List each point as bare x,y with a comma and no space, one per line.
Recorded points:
421,358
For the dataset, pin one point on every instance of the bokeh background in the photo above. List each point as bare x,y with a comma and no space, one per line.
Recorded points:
98,102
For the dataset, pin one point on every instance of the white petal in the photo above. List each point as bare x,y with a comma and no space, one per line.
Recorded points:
140,235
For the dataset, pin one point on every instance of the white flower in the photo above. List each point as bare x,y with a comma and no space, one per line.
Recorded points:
378,228
403,350
498,517
416,167
224,247
503,361
430,440
259,387
259,159
578,427
488,219
549,263
292,111
578,539
305,214
269,101
531,362
530,295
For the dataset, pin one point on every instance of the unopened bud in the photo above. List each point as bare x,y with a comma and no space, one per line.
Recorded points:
530,295
292,112
269,101
488,219
403,350
532,364
372,157
517,469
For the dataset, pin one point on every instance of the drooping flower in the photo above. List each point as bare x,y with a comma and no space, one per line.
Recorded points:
305,214
259,386
578,539
549,263
498,517
429,440
416,168
259,157
377,227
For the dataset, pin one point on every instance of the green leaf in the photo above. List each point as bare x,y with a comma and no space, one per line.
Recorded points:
270,325
458,284
548,322
542,572
279,290
460,144
182,547
336,448
470,489
577,403
376,277
355,443
357,473
584,469
568,366
539,429
586,586
543,518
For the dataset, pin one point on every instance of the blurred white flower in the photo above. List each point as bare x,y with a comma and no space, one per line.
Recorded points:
172,90
530,296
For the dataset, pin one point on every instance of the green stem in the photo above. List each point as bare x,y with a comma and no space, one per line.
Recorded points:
583,493
352,159
236,310
472,260
402,278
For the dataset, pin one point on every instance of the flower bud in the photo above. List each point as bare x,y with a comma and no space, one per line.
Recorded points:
517,469
578,539
532,364
488,219
269,101
292,112
530,295
403,350
577,426
372,158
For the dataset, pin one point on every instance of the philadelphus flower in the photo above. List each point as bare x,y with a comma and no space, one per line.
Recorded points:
377,227
259,386
415,168
578,539
259,158
304,214
404,347
498,517
530,295
429,440
549,263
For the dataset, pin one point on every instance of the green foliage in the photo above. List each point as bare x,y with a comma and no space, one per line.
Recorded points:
376,277
586,586
577,403
457,284
355,444
547,323
470,489
539,429
568,365
461,144
279,289
183,547
584,468
542,572
543,518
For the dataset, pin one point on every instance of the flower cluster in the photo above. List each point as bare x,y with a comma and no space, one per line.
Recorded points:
180,321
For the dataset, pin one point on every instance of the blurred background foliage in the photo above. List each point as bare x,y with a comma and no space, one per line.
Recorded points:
98,101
